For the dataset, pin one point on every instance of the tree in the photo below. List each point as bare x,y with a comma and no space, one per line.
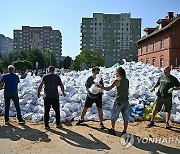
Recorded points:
67,62
50,58
22,65
76,64
34,55
1,62
91,58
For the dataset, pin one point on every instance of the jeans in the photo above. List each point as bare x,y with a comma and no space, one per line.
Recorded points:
8,95
120,106
48,101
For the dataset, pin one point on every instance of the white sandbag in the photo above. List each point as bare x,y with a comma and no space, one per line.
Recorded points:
39,109
63,116
28,116
37,117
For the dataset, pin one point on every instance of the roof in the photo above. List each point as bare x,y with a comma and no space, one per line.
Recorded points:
173,22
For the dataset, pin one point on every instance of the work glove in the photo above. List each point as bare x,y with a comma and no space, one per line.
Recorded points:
151,90
170,90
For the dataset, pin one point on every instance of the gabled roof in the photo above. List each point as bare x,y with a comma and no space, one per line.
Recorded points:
173,22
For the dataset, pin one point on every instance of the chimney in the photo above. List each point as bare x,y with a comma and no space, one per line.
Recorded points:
149,30
170,15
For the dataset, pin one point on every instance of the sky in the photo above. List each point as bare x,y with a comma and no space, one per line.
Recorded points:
66,15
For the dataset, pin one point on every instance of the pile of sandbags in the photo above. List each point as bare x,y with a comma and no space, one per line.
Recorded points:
141,76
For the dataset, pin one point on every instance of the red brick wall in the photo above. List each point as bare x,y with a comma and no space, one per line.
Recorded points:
171,51
175,45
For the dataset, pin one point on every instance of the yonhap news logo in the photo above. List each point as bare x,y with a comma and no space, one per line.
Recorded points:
128,140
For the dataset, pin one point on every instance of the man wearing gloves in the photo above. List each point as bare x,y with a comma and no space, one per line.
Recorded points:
167,83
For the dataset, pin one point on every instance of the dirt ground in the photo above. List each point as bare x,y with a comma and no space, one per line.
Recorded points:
88,138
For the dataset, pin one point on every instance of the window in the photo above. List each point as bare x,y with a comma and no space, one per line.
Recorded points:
161,62
162,43
153,62
147,48
154,46
147,61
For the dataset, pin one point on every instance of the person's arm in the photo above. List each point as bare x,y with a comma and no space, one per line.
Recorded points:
2,81
115,83
61,85
176,87
88,84
1,85
62,89
156,85
40,87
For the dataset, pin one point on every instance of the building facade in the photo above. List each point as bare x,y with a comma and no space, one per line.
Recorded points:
6,45
161,45
43,38
112,35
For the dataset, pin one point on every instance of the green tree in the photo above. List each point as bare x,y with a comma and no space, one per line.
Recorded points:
1,62
22,65
67,62
35,55
50,58
91,58
20,55
76,64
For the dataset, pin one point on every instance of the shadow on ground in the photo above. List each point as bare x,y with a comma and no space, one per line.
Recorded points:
81,141
15,133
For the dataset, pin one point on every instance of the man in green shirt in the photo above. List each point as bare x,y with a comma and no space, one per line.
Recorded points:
167,83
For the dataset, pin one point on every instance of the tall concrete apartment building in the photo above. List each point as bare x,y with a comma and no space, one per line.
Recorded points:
112,35
42,38
6,44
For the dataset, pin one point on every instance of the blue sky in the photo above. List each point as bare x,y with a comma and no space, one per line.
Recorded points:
66,15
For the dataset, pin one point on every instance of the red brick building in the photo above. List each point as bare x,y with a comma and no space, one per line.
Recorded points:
161,45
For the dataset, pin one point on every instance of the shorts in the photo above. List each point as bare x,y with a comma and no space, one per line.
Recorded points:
159,102
89,102
120,106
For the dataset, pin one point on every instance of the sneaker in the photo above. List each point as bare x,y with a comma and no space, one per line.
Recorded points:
124,132
111,131
7,122
101,126
21,122
167,125
151,123
47,127
59,126
79,122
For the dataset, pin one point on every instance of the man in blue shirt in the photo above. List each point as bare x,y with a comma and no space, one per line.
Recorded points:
10,83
